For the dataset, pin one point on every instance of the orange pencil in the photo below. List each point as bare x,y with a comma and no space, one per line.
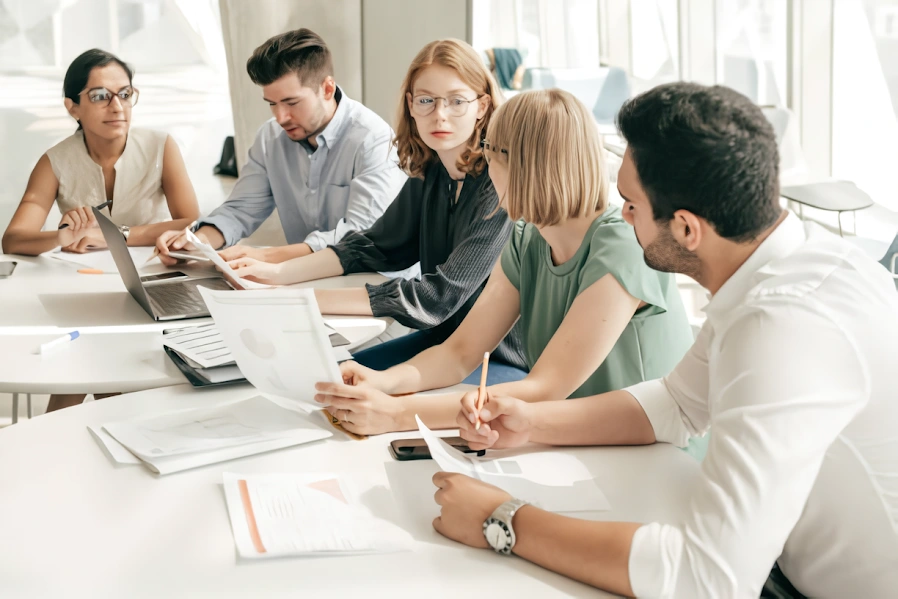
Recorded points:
481,391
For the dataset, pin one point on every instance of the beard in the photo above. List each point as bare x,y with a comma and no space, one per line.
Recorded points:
664,254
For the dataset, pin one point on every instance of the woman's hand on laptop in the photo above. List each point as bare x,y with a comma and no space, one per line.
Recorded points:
258,271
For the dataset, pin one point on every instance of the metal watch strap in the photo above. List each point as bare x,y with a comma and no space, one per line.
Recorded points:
126,231
504,514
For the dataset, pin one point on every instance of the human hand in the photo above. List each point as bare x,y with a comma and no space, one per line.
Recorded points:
356,374
504,421
87,240
361,409
175,240
244,251
256,270
465,504
77,224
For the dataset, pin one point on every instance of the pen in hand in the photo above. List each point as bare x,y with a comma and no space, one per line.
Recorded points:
481,391
100,207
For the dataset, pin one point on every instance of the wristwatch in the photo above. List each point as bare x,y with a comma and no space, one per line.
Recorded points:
498,530
126,231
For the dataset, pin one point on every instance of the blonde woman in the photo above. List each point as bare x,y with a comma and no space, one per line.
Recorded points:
140,171
446,217
594,317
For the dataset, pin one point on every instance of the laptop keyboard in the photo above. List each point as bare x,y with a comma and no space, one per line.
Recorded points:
174,299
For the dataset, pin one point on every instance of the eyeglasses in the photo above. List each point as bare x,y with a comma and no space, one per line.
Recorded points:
99,95
456,105
488,146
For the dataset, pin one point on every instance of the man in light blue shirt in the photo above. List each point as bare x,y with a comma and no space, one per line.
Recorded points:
325,161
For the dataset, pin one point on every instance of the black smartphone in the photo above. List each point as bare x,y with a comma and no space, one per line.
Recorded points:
416,449
164,276
6,268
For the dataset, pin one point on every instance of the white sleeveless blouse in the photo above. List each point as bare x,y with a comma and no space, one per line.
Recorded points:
137,197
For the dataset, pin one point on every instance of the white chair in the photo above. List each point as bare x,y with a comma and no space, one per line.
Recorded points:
795,182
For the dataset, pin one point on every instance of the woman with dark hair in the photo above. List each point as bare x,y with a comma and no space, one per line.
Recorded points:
139,171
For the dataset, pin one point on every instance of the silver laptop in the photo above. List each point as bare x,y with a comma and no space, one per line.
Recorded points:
162,299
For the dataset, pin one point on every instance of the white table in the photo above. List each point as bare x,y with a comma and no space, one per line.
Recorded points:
121,346
74,524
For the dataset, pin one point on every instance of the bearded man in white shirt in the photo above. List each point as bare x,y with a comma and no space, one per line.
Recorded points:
793,373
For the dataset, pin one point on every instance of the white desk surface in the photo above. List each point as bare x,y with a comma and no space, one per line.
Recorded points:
73,524
121,348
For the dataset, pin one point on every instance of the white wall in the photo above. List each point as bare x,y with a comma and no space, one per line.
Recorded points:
393,33
246,25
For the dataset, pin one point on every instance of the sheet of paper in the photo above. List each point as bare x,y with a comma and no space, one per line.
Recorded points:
278,339
112,448
221,374
554,481
100,259
209,252
232,424
187,461
277,515
203,345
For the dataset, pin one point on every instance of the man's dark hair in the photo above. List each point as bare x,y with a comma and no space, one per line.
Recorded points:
708,150
301,51
78,73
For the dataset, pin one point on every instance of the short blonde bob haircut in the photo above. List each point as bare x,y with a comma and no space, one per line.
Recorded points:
556,168
414,155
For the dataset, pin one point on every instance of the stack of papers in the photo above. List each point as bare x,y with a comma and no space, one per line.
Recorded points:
279,342
203,349
186,439
276,515
553,481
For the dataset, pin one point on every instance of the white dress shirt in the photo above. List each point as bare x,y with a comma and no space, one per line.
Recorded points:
344,185
795,373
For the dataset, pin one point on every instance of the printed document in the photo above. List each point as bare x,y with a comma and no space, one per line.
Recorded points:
552,480
278,339
231,424
275,515
209,252
202,345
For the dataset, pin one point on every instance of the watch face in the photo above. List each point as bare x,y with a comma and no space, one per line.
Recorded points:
496,536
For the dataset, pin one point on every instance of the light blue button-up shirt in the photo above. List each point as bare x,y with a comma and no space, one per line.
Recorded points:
343,185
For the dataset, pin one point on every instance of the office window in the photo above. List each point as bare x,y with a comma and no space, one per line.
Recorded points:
865,96
654,40
146,33
549,33
752,54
